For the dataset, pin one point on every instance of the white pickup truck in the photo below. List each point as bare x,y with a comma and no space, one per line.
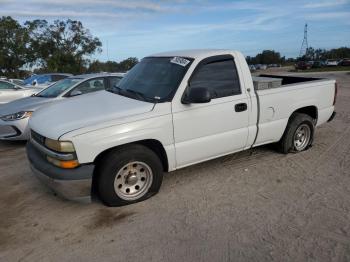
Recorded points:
170,111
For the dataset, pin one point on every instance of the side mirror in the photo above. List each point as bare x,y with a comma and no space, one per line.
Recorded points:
76,93
197,95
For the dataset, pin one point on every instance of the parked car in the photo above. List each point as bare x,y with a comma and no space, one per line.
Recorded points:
44,80
10,91
260,67
273,65
331,62
318,64
252,68
14,116
345,62
302,65
16,81
170,111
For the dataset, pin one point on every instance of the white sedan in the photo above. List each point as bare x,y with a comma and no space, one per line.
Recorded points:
10,91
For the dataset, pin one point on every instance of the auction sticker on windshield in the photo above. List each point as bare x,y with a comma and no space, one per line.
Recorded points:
180,61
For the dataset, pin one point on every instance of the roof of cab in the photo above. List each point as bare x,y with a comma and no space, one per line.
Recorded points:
86,76
194,53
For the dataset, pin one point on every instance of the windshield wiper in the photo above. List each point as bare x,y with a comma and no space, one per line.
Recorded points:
139,94
114,89
129,93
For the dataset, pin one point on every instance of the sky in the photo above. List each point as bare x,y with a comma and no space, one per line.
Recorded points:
137,28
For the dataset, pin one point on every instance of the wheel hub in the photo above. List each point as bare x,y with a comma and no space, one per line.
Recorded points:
131,179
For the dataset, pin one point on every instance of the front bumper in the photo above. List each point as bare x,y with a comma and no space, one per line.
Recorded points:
14,130
72,184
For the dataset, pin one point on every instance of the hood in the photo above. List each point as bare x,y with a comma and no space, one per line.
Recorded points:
87,110
24,104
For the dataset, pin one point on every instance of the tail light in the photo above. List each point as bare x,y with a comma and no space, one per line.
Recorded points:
335,92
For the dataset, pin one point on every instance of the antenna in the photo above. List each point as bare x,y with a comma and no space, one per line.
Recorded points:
304,45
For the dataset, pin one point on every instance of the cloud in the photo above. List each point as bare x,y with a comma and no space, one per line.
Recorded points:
131,4
39,13
328,15
323,4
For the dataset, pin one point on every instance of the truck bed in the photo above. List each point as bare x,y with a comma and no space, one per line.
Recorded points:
276,104
287,80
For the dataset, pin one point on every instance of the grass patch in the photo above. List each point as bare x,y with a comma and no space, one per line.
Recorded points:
323,69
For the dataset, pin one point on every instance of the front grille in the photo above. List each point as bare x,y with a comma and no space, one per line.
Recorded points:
37,137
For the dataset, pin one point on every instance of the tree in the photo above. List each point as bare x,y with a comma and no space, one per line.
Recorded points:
266,57
128,63
269,57
111,66
62,46
323,54
14,48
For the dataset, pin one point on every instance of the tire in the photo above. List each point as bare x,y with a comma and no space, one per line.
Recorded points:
296,124
129,175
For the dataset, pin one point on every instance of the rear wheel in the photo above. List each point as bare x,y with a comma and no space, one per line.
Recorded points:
298,135
128,175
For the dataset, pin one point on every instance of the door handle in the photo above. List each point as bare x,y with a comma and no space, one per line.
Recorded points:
241,107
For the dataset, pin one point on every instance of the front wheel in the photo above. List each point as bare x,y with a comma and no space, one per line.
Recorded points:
128,175
298,135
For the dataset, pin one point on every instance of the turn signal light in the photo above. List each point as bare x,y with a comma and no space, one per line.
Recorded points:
63,164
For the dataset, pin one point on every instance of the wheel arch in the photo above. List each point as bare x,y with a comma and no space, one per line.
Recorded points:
155,145
311,111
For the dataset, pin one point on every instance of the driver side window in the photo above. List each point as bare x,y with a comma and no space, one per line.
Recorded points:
91,85
219,77
6,86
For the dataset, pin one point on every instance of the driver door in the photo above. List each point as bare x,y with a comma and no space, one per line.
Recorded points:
219,127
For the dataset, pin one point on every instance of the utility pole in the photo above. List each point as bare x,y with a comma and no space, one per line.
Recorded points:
107,50
304,45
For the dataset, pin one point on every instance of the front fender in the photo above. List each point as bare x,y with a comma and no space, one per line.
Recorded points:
90,144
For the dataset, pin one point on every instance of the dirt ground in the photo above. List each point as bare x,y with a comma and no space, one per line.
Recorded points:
252,206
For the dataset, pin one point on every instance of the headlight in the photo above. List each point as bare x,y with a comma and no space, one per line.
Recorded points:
60,146
17,116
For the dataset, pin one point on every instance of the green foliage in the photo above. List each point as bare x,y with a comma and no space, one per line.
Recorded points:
14,48
323,54
111,66
266,57
62,46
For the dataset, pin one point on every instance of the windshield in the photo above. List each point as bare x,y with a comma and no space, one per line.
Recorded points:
154,79
58,88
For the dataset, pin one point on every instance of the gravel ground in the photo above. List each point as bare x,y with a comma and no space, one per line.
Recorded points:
252,206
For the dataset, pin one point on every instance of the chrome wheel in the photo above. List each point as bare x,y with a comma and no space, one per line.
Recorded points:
133,181
302,137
